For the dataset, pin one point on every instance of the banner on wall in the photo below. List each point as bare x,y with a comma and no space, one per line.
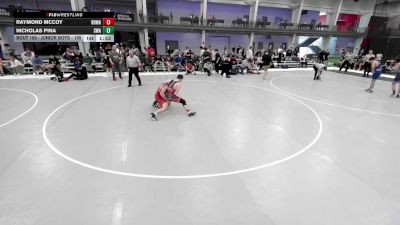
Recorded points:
123,17
6,12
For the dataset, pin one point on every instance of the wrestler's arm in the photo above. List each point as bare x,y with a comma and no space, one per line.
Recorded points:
162,92
177,88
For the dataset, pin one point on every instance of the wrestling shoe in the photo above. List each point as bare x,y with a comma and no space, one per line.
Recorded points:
190,114
153,116
156,105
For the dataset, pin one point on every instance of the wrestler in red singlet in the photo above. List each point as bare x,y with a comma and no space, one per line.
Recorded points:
166,93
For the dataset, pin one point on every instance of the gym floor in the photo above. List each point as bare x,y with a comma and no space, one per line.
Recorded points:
285,151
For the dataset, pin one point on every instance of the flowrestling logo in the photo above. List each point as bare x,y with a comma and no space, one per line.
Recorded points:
64,14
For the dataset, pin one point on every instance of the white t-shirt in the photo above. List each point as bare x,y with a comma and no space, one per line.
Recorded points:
249,54
15,63
132,61
379,56
320,66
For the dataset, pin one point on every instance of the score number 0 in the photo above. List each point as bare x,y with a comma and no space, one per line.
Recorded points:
108,25
108,21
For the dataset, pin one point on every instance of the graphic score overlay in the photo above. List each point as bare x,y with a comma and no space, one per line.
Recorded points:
64,27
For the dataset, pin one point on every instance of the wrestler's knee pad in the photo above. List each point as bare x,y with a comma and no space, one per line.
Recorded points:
182,101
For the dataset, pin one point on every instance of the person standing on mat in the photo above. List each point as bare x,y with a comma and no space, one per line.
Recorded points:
396,80
266,59
347,61
318,68
133,62
115,61
166,93
376,67
368,58
226,67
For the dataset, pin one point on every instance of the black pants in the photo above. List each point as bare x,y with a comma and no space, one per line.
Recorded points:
367,68
134,70
227,72
345,63
316,72
116,68
207,71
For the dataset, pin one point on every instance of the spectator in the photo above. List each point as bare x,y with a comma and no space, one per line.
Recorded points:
7,51
150,51
249,53
226,67
88,62
267,60
259,61
326,55
296,50
1,52
37,64
342,53
189,68
80,71
178,59
233,60
289,52
148,62
244,66
367,62
186,51
208,68
253,68
19,8
107,49
27,57
54,65
68,55
206,55
213,54
303,61
322,56
169,51
348,60
158,62
275,55
80,55
281,56
169,62
218,61
115,61
16,67
2,69
379,56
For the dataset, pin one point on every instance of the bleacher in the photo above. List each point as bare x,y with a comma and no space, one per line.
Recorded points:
65,67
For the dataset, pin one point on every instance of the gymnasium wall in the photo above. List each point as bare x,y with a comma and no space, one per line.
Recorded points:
179,8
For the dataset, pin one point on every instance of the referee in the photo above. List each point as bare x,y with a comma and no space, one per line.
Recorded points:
133,62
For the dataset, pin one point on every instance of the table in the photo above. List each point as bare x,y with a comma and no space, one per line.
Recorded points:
212,22
262,23
189,20
158,19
